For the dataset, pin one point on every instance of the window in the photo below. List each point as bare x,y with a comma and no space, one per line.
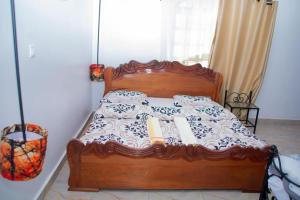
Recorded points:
155,29
187,30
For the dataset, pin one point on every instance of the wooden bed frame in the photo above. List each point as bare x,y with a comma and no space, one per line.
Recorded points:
114,166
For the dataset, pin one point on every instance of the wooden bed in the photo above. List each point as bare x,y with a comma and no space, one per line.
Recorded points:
113,166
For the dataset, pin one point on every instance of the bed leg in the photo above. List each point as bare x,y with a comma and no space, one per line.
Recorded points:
264,191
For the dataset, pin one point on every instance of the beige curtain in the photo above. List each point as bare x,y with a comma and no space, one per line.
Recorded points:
242,43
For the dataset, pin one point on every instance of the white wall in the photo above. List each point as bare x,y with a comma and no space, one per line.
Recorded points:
130,30
279,97
9,110
56,86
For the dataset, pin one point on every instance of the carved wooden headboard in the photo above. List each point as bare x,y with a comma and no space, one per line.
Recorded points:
164,79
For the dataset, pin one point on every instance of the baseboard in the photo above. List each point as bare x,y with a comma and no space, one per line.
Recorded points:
54,173
279,121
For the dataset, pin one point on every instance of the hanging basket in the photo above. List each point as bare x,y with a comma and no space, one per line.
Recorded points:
23,160
97,72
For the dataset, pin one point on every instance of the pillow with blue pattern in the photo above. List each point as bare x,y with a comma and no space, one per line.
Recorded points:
186,100
125,96
123,111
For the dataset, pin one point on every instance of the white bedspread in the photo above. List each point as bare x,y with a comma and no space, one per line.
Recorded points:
209,125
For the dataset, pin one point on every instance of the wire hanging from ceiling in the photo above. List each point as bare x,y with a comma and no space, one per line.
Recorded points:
98,33
17,65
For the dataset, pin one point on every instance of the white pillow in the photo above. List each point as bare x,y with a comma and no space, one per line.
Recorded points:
125,96
122,110
185,100
155,101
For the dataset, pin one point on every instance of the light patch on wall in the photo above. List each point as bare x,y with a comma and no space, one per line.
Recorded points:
127,27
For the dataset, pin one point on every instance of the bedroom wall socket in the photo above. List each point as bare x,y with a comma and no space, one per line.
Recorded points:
31,51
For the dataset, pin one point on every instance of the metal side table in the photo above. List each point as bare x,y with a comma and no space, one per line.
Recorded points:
242,101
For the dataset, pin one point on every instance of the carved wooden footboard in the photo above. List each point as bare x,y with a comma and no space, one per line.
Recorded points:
113,166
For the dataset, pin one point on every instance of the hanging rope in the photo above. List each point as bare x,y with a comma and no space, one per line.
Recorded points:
14,27
98,32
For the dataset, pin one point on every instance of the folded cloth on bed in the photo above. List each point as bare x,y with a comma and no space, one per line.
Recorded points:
185,131
154,130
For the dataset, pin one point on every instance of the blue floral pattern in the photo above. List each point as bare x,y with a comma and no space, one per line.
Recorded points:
172,141
124,111
110,137
121,96
238,127
165,113
185,100
142,116
193,118
228,142
213,111
126,93
97,124
213,126
138,128
104,101
199,129
121,108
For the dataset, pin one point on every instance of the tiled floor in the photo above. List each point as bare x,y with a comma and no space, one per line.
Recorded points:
286,135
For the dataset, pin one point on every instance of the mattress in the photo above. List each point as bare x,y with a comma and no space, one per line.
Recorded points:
213,126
